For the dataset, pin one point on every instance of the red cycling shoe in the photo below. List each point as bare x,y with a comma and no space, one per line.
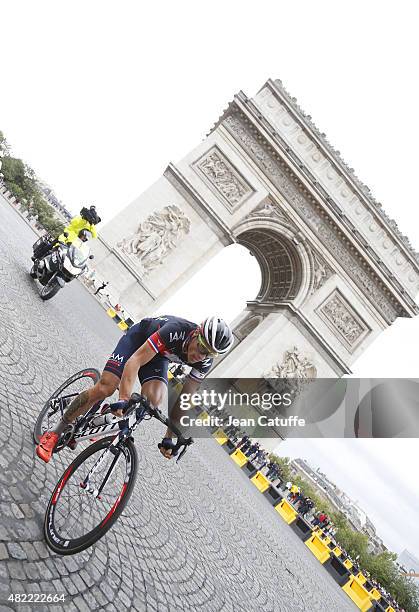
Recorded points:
46,445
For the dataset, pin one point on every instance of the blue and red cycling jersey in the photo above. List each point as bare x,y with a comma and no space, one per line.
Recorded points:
167,336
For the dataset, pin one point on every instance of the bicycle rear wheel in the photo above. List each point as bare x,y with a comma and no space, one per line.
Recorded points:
75,518
55,405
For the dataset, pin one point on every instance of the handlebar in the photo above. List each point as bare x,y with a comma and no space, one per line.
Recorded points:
132,404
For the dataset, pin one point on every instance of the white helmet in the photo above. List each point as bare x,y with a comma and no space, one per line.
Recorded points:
216,334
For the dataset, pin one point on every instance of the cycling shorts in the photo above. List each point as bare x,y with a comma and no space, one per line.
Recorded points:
155,369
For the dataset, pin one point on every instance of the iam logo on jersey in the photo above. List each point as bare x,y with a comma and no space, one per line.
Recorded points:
177,336
119,358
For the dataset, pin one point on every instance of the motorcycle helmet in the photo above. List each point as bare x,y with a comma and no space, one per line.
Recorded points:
85,235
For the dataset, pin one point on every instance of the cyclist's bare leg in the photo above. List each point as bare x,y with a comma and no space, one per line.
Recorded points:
155,391
106,385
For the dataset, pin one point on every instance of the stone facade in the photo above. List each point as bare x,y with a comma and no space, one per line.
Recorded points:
335,269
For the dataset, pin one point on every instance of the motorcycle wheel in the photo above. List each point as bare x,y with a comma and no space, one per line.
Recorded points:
32,273
48,291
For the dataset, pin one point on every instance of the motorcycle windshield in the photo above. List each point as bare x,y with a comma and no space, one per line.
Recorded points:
78,254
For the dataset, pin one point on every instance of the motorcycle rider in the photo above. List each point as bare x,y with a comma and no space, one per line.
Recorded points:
84,235
87,220
146,351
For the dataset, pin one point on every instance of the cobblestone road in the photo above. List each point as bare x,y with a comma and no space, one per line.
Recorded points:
197,536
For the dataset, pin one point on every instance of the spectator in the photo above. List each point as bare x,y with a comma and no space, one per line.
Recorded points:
252,450
319,519
273,470
243,441
306,505
294,490
103,285
246,446
89,277
261,458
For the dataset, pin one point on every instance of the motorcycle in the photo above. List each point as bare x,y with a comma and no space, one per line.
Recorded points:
54,266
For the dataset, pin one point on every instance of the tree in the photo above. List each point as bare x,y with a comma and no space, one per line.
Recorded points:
13,171
354,542
21,181
4,145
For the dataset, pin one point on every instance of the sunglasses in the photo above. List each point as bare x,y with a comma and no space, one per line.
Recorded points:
203,347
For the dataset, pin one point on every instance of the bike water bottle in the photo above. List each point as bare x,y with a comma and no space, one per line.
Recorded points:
104,419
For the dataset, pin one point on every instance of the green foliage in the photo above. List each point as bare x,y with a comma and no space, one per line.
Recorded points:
4,146
354,542
21,181
17,191
13,171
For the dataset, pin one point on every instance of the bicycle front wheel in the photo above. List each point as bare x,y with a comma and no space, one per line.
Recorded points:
77,517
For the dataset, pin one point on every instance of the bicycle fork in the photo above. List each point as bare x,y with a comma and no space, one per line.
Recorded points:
126,429
112,448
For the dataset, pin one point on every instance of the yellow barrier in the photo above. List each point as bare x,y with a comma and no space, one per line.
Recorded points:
239,457
111,312
286,511
318,547
122,325
203,415
220,436
359,595
375,594
318,542
261,482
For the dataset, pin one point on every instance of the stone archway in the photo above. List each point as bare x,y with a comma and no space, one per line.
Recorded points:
280,264
335,269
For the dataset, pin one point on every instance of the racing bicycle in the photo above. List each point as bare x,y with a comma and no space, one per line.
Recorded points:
95,488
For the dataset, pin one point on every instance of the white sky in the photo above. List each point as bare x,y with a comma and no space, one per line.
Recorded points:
99,96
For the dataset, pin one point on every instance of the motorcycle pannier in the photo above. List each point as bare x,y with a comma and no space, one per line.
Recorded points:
42,246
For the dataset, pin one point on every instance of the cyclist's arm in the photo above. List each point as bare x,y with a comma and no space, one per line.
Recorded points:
190,386
141,356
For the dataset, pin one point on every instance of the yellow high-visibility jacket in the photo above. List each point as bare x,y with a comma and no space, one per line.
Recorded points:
74,227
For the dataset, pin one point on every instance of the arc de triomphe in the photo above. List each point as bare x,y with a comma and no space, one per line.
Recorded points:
335,269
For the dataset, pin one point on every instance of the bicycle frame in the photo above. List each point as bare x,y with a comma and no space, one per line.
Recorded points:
81,428
126,428
122,428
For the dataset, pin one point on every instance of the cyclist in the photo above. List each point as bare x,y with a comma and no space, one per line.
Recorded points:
146,351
